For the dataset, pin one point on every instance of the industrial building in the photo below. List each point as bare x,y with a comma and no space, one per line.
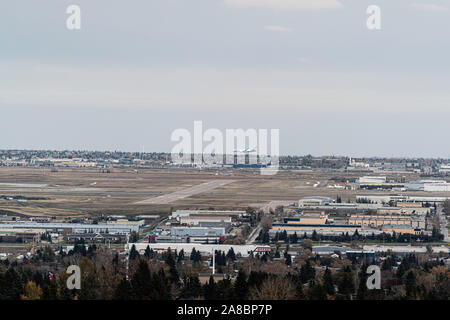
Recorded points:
329,250
149,219
389,211
230,213
383,199
404,250
138,223
365,224
409,205
19,235
195,219
405,211
401,229
360,253
215,224
185,239
319,228
205,249
95,238
375,182
307,219
368,180
73,227
7,219
312,221
445,169
375,249
197,231
428,186
188,235
314,201
377,221
201,226
308,223
41,219
380,199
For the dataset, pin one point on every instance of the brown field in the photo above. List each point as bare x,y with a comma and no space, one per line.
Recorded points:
84,192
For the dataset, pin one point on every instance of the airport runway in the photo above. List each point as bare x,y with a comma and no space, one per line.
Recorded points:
272,205
177,195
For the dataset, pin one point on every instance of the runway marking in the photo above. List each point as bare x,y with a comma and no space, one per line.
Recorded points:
181,194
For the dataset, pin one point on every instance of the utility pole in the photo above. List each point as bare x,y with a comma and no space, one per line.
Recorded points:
127,254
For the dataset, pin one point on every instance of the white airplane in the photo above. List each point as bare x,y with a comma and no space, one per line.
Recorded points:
246,150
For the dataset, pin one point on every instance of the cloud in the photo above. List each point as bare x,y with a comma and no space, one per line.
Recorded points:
430,7
303,60
287,5
277,28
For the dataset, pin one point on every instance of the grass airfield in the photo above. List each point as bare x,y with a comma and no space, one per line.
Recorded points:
81,192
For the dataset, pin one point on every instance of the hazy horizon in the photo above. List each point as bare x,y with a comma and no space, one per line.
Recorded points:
282,155
138,70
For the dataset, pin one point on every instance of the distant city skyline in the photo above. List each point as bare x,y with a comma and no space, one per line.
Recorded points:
136,71
148,152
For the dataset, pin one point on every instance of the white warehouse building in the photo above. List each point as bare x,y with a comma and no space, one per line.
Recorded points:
314,201
372,180
428,185
205,249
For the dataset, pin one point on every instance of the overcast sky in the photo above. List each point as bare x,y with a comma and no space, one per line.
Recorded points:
137,70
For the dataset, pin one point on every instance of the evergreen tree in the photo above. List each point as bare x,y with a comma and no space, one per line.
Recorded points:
346,285
307,272
361,294
160,286
195,256
277,254
173,273
115,262
141,282
328,283
410,283
314,236
288,260
124,291
224,289
134,254
210,289
241,286
11,285
294,238
180,256
316,291
266,237
256,278
231,255
191,287
148,252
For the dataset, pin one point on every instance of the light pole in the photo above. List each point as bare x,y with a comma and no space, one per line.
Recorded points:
214,261
127,253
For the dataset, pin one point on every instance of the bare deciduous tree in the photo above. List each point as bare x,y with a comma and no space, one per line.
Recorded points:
266,223
274,289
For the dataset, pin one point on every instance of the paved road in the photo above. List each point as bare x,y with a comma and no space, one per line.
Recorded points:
252,237
144,236
181,194
272,205
12,245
